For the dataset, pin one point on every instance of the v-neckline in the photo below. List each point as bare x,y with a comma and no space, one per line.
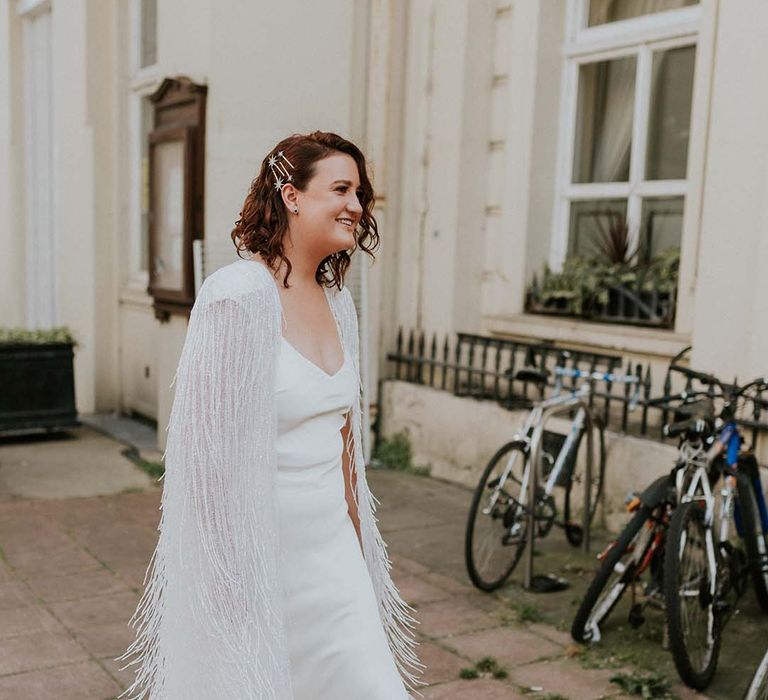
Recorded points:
339,339
313,364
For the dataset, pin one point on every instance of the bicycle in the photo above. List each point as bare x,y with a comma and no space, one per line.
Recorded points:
498,524
758,687
703,571
639,548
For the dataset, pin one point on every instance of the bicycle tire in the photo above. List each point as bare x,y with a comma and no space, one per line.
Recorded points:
478,578
697,676
582,622
758,687
596,496
754,538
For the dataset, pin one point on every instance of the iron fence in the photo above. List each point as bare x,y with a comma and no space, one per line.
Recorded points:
483,367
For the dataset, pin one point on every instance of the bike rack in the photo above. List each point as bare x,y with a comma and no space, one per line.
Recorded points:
533,483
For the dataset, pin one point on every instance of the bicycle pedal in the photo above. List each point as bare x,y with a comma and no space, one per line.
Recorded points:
722,606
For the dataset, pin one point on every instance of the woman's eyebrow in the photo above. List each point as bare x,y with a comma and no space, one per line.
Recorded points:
343,182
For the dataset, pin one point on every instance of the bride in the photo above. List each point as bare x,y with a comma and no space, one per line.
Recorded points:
270,578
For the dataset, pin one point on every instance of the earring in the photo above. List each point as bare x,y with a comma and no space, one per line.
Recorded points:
295,210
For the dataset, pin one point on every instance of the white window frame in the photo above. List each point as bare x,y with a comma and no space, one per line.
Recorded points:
638,37
143,82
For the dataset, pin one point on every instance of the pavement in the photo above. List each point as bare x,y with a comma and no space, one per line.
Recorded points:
73,558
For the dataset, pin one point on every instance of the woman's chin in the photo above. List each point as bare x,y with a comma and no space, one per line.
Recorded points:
345,241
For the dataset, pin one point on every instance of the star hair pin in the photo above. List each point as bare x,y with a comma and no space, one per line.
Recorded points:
277,164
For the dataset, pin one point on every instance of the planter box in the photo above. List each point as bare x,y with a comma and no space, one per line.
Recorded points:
37,387
625,306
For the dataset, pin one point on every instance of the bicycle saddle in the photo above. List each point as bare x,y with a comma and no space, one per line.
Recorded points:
532,374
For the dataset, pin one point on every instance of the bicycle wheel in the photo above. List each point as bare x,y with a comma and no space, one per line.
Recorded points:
618,570
689,593
754,538
497,523
758,688
575,536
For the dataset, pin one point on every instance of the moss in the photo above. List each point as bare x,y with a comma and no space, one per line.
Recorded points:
24,336
395,453
487,666
655,685
154,469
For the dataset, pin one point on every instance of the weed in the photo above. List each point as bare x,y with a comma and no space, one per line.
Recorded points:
487,666
154,469
395,453
527,612
655,685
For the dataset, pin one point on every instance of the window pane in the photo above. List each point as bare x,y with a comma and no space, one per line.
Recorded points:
148,33
591,222
669,118
662,225
168,183
604,121
605,11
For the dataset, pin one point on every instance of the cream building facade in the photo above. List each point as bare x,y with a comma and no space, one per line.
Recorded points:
469,111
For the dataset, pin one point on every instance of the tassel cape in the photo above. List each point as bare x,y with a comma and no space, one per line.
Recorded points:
210,622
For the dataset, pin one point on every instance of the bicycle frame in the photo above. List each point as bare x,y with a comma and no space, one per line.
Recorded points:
536,417
531,434
548,409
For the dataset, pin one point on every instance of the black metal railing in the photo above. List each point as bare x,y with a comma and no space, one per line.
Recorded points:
483,367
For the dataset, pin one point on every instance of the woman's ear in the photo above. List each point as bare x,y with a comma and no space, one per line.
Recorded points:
290,196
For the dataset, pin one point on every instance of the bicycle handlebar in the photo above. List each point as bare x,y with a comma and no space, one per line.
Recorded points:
598,376
703,377
684,396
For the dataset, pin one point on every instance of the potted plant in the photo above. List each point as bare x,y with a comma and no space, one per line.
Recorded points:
610,285
37,387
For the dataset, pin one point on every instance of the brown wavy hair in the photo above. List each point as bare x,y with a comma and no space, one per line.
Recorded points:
264,220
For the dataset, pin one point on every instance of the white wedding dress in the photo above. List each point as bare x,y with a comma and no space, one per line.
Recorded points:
336,641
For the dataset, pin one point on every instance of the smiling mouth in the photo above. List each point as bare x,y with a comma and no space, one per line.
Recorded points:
346,222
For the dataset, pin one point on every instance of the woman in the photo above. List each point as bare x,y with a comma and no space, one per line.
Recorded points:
270,578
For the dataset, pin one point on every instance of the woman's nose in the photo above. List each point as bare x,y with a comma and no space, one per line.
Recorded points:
353,204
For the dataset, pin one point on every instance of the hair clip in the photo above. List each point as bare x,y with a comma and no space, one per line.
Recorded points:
279,170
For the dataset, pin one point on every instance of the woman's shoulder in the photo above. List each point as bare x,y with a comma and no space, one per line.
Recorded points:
242,278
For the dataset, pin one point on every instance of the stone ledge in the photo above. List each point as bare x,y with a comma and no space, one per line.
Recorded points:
652,343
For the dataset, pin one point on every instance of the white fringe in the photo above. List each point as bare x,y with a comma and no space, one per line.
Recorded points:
396,614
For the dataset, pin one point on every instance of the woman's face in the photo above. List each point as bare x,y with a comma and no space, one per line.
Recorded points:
329,208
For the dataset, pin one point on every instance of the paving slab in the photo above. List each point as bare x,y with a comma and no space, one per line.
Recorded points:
74,682
80,462
71,572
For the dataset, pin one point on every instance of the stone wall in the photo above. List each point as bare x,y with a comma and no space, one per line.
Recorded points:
457,436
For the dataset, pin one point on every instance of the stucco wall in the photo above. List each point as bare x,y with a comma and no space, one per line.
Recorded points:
730,334
457,436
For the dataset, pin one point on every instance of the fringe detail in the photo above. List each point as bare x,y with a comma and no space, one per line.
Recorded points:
209,624
396,615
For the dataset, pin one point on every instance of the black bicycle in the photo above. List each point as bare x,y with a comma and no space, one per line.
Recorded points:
705,569
758,687
634,561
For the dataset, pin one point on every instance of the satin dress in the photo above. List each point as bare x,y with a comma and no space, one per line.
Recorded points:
336,641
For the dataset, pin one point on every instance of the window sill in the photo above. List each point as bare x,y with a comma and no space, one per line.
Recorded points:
609,338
